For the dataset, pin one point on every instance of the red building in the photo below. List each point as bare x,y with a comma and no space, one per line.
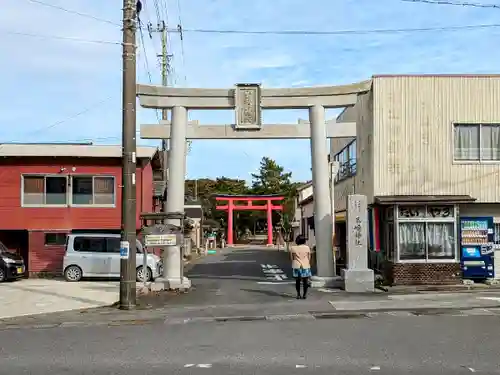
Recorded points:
48,191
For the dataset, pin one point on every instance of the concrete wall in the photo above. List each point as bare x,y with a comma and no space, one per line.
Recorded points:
362,182
337,144
413,135
308,211
480,210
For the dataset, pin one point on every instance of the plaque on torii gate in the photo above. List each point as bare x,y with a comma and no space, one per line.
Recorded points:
248,100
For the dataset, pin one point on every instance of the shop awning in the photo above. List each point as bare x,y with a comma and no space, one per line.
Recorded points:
423,199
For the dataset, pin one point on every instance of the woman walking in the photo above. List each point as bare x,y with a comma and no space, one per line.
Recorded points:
300,255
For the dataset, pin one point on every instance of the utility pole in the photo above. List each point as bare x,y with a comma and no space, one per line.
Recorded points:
161,27
128,219
164,113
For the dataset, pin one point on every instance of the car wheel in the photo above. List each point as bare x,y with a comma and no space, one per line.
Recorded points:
140,276
73,273
2,275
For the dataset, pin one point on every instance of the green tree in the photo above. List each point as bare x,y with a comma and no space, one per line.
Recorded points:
271,178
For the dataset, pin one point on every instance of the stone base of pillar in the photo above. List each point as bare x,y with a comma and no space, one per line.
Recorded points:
358,280
326,282
171,284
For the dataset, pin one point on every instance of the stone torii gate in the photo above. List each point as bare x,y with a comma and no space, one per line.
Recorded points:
248,100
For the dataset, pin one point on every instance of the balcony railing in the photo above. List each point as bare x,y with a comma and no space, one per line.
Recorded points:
346,170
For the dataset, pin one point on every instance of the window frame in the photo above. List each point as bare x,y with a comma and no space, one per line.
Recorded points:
480,159
44,175
56,234
426,220
348,165
93,205
69,190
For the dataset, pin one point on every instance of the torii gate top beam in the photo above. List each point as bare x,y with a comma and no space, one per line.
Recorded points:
154,96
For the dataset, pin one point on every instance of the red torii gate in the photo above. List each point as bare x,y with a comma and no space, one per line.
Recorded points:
230,207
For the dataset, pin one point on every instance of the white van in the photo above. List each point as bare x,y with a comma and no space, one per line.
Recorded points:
98,255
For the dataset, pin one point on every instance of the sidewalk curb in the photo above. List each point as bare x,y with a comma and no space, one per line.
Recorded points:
311,315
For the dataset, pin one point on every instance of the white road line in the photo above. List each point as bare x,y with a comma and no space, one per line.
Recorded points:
490,298
324,290
300,366
375,368
276,277
471,369
189,365
275,282
274,271
204,365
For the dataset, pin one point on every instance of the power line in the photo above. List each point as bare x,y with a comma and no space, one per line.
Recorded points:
74,12
71,117
58,37
339,32
146,63
66,119
272,32
456,3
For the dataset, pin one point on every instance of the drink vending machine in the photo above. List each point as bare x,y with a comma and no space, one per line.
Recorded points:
477,247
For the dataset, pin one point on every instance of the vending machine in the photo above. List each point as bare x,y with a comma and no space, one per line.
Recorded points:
476,245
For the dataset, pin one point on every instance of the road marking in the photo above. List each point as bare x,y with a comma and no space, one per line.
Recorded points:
490,298
300,366
324,290
204,365
189,365
375,368
273,272
275,282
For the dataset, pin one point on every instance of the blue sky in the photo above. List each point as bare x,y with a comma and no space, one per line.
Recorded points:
64,90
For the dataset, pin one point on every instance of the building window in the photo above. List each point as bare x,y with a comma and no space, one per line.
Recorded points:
476,142
93,190
55,239
347,161
44,190
426,233
39,190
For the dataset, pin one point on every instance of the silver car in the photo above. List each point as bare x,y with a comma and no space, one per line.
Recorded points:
98,255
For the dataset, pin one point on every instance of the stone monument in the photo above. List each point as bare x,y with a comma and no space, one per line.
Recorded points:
357,276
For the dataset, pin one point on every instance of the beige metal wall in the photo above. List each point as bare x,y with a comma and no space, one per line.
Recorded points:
413,135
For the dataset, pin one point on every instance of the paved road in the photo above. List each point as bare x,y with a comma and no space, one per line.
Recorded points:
256,283
385,345
241,275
